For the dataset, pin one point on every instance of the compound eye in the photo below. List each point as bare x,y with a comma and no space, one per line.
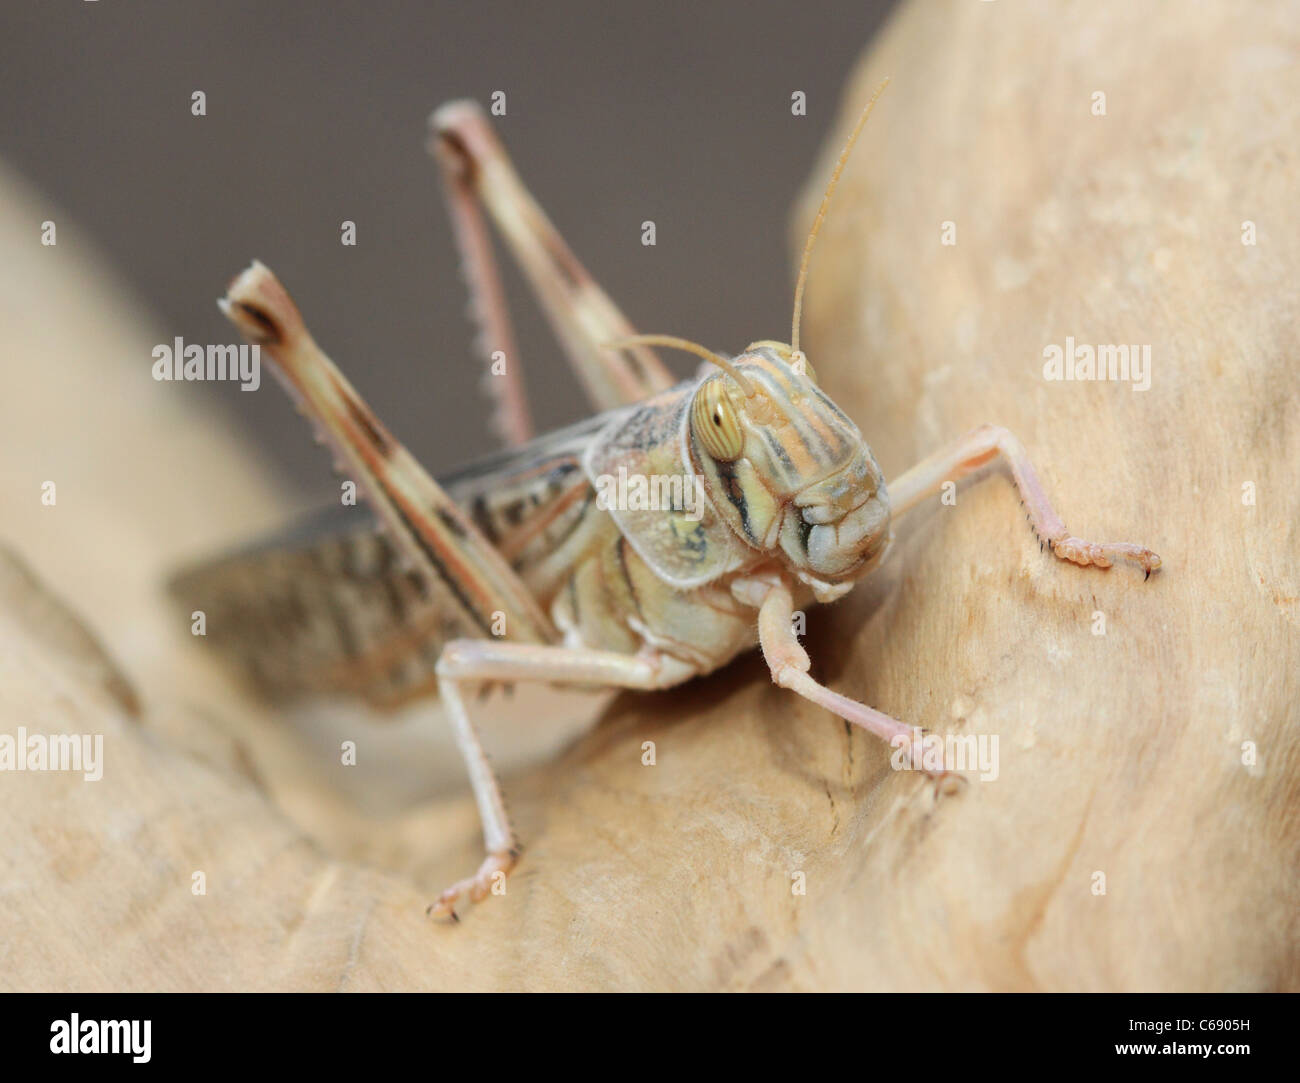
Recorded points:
716,425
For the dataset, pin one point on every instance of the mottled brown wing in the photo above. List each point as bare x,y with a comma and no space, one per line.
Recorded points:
334,615
330,607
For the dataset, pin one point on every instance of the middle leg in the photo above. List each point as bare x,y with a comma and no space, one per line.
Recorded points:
483,660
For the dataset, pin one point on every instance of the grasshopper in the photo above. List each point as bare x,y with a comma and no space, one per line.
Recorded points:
514,570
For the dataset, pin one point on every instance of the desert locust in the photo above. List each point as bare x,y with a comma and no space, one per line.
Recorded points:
522,567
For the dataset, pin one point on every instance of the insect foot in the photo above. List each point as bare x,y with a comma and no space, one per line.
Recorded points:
1103,555
912,758
489,880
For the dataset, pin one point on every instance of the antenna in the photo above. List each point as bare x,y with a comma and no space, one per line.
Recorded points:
673,342
821,214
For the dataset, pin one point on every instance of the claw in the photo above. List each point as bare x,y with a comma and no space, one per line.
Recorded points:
479,886
946,782
436,910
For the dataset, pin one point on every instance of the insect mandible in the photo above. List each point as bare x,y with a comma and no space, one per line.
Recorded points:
682,524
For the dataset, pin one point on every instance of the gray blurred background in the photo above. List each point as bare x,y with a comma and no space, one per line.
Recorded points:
316,114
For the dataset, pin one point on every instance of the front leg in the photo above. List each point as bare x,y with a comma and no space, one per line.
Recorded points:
975,450
789,663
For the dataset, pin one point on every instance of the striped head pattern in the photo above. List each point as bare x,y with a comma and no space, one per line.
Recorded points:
786,469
